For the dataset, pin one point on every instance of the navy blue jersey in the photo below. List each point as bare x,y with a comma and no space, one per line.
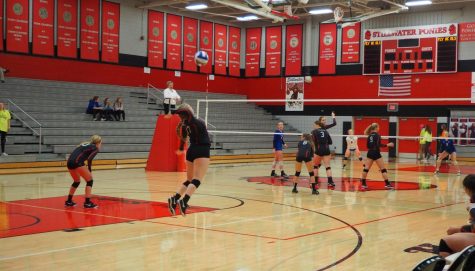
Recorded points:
305,149
321,137
84,152
192,127
374,142
447,145
278,142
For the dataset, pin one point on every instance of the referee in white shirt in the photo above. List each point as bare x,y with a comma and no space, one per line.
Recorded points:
171,98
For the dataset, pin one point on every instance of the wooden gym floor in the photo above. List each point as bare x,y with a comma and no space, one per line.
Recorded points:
241,220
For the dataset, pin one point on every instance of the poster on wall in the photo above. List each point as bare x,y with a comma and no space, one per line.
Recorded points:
43,31
466,32
206,44
234,52
273,50
293,49
17,26
462,127
294,93
155,39
253,51
327,49
67,28
190,43
110,31
173,42
220,48
90,29
350,43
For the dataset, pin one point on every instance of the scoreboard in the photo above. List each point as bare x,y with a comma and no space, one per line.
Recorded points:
405,50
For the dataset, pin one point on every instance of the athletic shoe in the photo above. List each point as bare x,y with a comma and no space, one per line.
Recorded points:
343,167
183,206
459,173
172,205
364,187
283,175
69,203
315,192
388,186
332,184
5,154
90,205
273,174
295,190
436,172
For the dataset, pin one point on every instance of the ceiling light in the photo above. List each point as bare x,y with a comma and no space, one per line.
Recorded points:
196,6
418,3
248,18
320,11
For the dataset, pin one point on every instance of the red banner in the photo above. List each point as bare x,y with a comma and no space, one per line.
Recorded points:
220,48
293,49
273,50
90,29
1,25
206,44
155,39
234,52
173,42
43,31
327,49
17,26
253,51
67,28
190,42
350,44
466,32
110,31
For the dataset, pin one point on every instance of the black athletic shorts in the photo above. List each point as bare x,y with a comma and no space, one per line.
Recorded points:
197,151
373,155
301,159
323,151
72,165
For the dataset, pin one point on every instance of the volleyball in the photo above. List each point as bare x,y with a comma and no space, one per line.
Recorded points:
201,58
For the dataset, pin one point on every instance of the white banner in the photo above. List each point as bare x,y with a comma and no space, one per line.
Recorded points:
294,93
412,32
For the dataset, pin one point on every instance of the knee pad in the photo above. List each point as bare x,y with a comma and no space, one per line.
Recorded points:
311,174
345,158
76,184
297,173
361,158
443,247
90,183
366,170
317,166
466,228
186,183
328,168
384,170
196,183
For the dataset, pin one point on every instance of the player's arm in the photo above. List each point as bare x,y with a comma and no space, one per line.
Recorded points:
90,158
182,135
333,123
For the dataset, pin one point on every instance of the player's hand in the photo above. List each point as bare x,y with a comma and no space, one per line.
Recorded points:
273,150
285,145
333,114
390,145
180,152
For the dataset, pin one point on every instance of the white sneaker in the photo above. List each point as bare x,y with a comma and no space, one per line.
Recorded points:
459,173
5,154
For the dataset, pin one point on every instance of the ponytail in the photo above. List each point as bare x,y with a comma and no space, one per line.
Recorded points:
95,139
309,139
371,128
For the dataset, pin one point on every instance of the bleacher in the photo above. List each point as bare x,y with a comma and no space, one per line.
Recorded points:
60,108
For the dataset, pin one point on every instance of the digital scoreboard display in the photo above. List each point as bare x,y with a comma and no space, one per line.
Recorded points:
418,49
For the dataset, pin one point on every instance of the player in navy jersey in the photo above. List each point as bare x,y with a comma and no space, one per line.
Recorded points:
305,153
77,168
197,156
322,141
447,147
374,155
278,146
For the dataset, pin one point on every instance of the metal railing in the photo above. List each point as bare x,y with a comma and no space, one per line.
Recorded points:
151,92
37,131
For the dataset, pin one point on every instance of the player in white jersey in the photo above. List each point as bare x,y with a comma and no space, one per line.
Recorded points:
351,147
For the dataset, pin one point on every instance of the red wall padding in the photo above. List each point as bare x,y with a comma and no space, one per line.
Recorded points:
411,127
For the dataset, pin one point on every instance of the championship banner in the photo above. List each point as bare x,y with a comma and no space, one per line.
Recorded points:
253,51
466,32
43,31
350,44
90,29
293,49
206,44
17,26
273,50
234,52
67,28
1,25
155,39
173,42
190,43
327,49
220,48
294,93
110,31
473,88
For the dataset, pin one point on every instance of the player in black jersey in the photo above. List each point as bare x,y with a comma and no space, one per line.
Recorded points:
322,141
197,156
374,155
77,168
305,153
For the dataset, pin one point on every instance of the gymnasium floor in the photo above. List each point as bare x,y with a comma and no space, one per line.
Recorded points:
242,220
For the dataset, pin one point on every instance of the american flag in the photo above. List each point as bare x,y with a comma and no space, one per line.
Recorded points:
395,85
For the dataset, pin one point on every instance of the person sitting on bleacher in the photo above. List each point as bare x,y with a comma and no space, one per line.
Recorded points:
94,108
108,110
119,109
461,237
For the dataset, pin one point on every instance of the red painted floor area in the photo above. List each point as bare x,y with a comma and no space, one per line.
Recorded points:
33,216
344,184
444,168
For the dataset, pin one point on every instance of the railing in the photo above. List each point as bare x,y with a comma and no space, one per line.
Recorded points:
151,92
37,132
